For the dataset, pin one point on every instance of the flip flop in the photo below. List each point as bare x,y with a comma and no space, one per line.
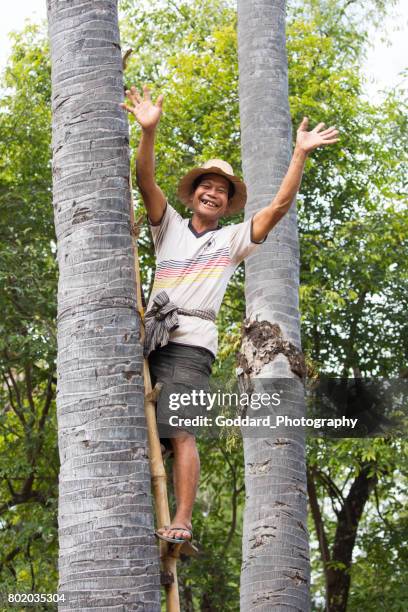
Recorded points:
175,540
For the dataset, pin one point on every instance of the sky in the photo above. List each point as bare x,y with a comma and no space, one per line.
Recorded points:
382,68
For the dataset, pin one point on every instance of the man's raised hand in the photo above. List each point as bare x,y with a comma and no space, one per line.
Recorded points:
147,114
318,137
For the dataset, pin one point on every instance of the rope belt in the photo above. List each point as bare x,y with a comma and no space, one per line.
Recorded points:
162,318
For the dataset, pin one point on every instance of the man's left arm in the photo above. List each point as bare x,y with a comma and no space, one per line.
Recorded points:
264,220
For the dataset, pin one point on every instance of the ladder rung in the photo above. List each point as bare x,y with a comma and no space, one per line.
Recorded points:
166,578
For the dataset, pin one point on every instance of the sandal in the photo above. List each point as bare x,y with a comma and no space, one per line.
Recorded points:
175,540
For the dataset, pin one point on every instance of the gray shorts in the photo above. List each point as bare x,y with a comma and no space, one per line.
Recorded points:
182,369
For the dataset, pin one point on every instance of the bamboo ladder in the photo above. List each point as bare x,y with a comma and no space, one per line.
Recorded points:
169,553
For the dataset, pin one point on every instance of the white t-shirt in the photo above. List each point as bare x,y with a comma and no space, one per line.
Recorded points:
194,270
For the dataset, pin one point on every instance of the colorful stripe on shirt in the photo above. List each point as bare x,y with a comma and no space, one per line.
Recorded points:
173,272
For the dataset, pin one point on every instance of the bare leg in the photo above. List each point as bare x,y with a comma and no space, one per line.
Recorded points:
186,473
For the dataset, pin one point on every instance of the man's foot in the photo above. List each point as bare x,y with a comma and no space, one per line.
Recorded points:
176,533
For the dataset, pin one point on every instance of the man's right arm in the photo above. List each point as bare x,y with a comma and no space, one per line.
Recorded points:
152,195
147,115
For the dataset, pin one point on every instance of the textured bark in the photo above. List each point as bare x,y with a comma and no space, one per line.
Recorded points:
108,556
261,343
275,568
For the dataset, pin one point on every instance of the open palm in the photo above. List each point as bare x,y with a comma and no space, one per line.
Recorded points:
147,114
318,137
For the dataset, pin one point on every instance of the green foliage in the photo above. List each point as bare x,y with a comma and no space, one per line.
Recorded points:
379,559
353,232
27,262
194,65
352,224
380,566
28,279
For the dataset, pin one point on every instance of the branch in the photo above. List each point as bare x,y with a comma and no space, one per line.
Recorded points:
317,516
234,502
48,399
350,473
10,430
15,551
28,554
377,505
330,486
13,406
350,352
10,486
319,525
29,387
22,498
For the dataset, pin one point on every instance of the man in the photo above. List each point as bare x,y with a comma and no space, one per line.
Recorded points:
195,260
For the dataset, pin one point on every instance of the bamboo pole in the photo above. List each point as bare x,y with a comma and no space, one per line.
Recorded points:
168,553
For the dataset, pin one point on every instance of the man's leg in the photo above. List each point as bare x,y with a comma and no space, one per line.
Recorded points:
186,473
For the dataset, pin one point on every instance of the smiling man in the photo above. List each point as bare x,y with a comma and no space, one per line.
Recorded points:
195,258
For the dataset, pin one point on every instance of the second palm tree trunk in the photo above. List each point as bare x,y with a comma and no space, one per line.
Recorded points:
275,567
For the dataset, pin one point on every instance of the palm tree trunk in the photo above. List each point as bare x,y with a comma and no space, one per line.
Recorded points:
108,556
275,567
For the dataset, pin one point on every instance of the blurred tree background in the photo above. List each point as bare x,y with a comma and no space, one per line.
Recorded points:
353,233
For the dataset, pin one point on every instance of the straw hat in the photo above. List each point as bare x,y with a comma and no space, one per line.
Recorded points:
214,166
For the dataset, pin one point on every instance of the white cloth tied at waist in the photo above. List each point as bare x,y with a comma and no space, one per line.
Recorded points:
162,319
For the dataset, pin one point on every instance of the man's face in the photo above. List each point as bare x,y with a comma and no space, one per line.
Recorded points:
210,198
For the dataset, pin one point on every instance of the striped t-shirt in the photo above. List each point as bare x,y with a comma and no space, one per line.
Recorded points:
194,270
